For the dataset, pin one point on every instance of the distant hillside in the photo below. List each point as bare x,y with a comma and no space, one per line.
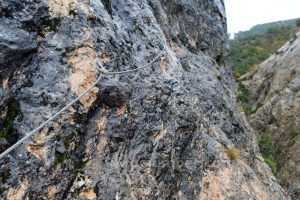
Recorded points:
262,28
252,47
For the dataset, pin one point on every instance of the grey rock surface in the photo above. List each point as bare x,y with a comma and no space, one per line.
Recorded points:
275,85
160,133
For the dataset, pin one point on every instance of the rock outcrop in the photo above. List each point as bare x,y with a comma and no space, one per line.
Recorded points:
170,131
275,90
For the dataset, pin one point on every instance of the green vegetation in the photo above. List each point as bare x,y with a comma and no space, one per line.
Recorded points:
267,149
71,153
13,109
71,138
220,59
252,47
67,140
262,28
293,132
258,105
266,145
243,96
81,164
271,164
61,157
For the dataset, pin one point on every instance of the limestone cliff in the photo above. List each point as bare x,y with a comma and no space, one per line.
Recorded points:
171,131
275,90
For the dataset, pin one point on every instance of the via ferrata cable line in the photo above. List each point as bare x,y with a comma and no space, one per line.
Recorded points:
103,72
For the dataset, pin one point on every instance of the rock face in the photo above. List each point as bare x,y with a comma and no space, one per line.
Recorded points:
170,131
275,86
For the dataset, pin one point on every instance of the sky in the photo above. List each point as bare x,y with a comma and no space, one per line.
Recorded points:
244,14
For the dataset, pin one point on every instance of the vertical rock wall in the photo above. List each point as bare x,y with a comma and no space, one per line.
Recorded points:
165,132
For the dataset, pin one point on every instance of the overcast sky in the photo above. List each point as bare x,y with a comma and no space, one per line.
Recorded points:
243,14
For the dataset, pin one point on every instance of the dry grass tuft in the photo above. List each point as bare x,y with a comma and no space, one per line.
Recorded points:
233,153
288,78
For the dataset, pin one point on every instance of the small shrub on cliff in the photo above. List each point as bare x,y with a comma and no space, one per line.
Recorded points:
70,142
13,109
236,75
271,164
220,58
244,93
267,150
233,153
243,96
293,132
257,106
266,145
